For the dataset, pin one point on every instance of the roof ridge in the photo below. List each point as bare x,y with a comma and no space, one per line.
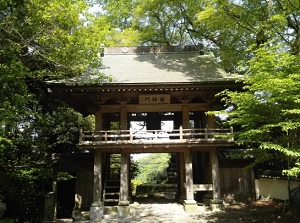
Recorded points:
153,49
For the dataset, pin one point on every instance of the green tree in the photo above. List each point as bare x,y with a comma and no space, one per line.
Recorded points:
153,167
266,114
226,27
39,41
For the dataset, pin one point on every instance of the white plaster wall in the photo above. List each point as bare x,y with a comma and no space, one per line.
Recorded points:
273,188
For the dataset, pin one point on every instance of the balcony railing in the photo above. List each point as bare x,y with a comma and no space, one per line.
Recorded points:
156,136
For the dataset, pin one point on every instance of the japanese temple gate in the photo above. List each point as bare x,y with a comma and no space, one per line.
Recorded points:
155,84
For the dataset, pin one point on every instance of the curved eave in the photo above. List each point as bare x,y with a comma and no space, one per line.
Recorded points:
174,86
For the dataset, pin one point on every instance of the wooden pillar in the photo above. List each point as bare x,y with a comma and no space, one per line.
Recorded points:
123,117
182,177
124,184
124,172
178,172
185,117
211,122
97,191
190,205
124,177
96,209
215,174
123,208
216,203
98,120
188,175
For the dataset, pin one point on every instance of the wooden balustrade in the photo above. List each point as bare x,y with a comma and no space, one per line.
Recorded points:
156,136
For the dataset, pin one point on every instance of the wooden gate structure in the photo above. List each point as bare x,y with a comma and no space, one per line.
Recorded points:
151,85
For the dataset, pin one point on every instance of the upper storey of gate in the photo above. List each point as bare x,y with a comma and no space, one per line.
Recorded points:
186,74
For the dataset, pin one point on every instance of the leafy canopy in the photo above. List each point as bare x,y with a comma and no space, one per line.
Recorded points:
153,167
267,113
226,27
39,40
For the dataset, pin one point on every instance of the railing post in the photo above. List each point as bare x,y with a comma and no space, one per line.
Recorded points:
105,136
206,133
231,132
80,136
180,133
131,134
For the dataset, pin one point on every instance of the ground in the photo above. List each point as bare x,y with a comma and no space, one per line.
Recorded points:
159,211
259,211
274,211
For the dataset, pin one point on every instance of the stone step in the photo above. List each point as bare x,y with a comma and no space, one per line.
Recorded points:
108,210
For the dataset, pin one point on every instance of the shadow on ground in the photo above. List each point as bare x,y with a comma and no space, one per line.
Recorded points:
259,211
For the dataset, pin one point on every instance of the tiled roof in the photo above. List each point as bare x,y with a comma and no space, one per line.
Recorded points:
125,66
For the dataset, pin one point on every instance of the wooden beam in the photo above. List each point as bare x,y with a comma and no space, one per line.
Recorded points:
155,148
153,108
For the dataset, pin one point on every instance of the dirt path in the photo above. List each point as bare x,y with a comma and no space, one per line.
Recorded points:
254,212
160,213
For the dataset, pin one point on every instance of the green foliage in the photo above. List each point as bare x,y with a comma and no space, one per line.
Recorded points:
40,40
6,220
49,40
24,193
134,184
88,123
266,115
153,167
228,28
294,171
64,176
